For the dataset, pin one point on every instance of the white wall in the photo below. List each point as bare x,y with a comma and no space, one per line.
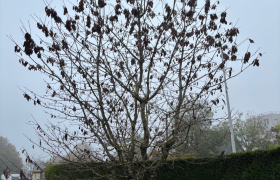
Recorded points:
10,178
273,120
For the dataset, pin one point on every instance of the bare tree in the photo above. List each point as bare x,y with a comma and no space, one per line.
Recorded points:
124,72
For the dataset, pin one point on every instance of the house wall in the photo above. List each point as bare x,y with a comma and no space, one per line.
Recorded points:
37,175
270,120
12,177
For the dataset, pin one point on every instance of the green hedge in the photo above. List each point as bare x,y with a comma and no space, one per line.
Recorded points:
255,165
72,172
82,171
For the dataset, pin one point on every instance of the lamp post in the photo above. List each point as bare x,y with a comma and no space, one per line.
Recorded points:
228,106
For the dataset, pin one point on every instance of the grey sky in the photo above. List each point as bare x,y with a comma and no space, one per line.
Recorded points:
257,89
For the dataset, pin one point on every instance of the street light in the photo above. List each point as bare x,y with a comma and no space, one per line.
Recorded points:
225,56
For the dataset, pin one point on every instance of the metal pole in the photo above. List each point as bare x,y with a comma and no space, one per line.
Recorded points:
228,107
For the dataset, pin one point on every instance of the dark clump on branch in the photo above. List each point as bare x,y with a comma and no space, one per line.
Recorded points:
28,44
51,12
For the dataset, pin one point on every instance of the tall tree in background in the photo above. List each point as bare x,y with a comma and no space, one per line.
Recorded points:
251,133
206,138
116,68
202,139
205,141
276,138
9,157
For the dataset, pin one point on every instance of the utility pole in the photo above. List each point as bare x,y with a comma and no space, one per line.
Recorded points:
228,106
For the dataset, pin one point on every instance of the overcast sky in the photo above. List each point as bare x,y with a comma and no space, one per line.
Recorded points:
257,89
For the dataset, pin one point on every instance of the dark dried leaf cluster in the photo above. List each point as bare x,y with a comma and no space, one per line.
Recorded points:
17,49
256,62
50,60
70,25
207,6
79,8
88,21
113,18
213,17
233,49
223,18
64,44
51,12
201,17
190,14
27,97
210,40
23,62
101,3
96,28
192,3
212,25
54,47
44,29
28,44
65,11
247,57
233,57
118,7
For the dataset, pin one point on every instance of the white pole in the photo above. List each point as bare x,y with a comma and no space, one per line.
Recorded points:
228,107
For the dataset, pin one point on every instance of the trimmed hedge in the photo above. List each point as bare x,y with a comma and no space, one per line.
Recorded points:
255,165
82,171
73,172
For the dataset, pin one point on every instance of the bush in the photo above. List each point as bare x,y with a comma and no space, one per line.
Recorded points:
256,165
